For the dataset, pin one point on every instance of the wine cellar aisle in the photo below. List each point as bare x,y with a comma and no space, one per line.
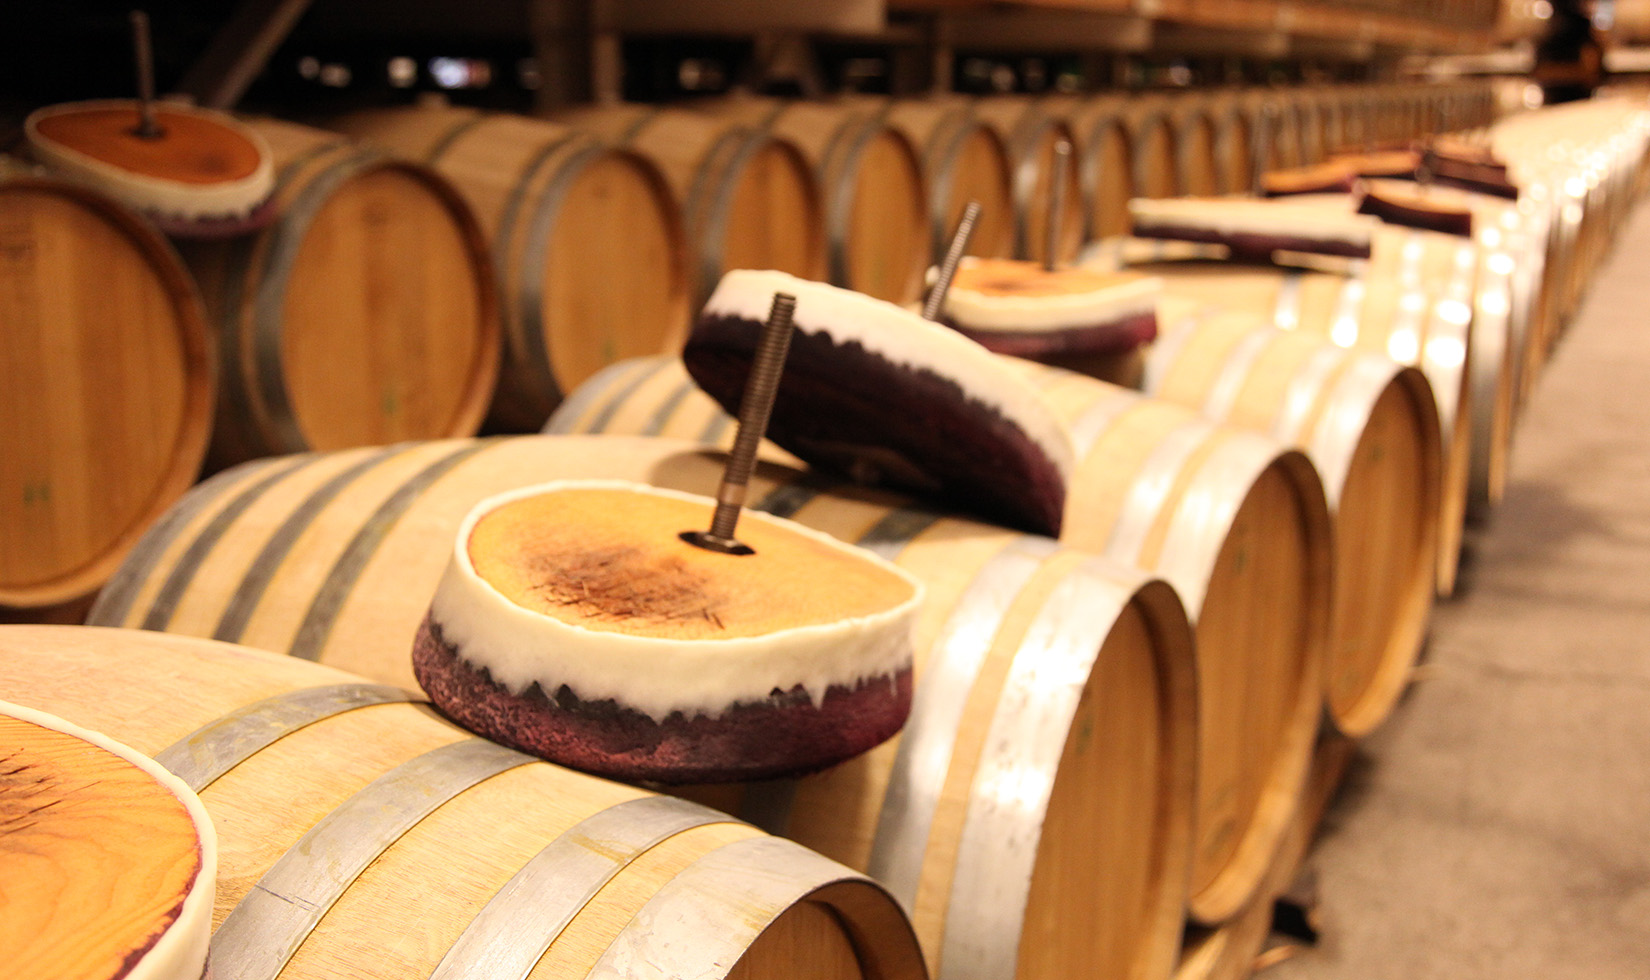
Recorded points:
856,490
1495,827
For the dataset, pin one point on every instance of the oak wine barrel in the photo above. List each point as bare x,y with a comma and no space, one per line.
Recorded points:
963,160
1152,142
588,243
1215,510
360,834
1104,159
1196,144
871,178
109,384
1371,427
1412,302
1240,948
749,200
1032,130
1235,144
366,313
1043,673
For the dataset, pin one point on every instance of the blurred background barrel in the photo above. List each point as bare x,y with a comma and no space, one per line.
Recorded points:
1032,131
588,242
1197,166
366,313
1235,143
871,180
108,386
963,160
1103,158
749,199
1152,145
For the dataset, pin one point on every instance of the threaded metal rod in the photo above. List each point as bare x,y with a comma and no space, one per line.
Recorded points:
754,411
953,257
1056,204
144,58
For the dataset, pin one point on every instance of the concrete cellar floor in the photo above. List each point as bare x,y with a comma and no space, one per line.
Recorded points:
1498,826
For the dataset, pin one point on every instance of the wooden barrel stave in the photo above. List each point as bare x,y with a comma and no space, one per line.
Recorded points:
876,198
1372,430
1234,150
1197,170
1104,158
964,160
1064,607
1032,131
571,224
1160,488
1425,322
749,199
386,247
873,189
395,834
108,362
1153,164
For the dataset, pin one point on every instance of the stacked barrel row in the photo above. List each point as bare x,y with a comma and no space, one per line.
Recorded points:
438,267
1112,731
1291,366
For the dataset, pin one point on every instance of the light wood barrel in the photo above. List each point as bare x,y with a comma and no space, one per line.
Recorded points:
1313,122
1332,120
1103,158
749,200
1216,511
1231,950
1370,426
963,160
1235,148
871,177
365,314
362,835
1258,587
108,378
1412,301
1504,274
1547,317
1507,271
1196,141
1035,814
1272,112
1152,143
1032,131
1356,119
1238,948
590,252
